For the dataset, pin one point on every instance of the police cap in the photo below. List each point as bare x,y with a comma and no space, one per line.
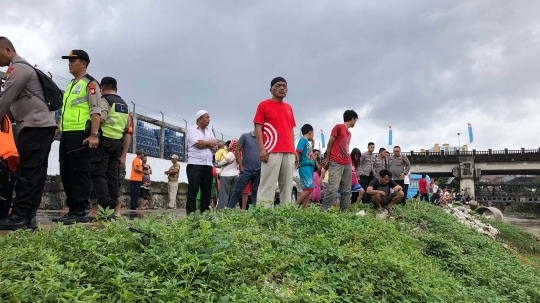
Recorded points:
77,53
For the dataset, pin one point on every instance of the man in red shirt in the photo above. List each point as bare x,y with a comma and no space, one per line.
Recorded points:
338,163
274,130
423,188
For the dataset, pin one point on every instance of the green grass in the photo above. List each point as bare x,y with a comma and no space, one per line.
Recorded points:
285,255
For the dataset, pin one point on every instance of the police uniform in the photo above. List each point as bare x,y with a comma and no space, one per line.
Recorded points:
380,164
81,100
398,165
106,157
23,97
367,162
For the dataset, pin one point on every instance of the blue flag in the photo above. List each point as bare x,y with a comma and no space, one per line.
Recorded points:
389,135
322,140
470,132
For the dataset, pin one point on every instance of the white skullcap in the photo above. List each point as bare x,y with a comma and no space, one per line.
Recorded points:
200,113
174,157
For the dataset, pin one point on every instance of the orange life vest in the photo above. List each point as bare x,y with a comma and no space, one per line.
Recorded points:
8,149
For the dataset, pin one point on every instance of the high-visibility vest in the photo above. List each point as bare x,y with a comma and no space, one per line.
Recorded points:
115,124
8,149
75,108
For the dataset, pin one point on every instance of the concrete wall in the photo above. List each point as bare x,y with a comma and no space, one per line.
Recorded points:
159,166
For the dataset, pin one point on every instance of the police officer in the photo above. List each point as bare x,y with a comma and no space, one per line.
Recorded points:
23,95
399,166
111,152
367,167
79,126
381,162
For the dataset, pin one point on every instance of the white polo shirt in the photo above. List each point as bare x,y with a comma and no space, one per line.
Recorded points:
198,156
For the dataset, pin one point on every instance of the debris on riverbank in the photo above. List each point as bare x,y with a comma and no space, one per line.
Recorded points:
463,215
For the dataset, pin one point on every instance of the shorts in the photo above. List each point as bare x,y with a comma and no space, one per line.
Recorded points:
143,192
248,188
385,200
356,187
306,177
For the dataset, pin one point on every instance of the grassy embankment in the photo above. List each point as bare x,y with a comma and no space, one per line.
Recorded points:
285,255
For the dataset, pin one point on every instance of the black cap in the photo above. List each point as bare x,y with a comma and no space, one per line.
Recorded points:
77,53
276,80
140,152
108,81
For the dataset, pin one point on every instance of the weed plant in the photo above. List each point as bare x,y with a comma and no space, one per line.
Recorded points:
284,255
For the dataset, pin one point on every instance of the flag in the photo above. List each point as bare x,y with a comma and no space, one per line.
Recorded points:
389,135
470,132
322,139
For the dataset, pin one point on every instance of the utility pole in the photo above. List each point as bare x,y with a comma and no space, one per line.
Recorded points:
185,142
134,135
162,137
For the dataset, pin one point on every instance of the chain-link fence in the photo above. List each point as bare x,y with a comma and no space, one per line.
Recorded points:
158,139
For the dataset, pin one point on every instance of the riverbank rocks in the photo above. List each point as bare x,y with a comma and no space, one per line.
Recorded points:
464,217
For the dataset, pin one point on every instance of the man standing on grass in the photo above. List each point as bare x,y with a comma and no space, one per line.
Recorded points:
173,173
274,130
367,168
399,166
338,163
200,143
423,188
249,164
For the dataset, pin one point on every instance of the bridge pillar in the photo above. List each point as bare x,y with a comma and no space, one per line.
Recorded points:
467,175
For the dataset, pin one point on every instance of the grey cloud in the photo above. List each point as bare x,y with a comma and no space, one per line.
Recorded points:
424,67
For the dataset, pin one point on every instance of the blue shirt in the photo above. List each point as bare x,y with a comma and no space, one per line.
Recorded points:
250,152
306,152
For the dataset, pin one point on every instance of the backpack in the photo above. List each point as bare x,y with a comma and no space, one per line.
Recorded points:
53,95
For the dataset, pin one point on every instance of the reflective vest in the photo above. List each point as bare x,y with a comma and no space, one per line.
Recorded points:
75,108
8,150
115,125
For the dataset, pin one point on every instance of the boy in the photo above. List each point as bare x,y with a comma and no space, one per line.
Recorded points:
338,163
145,190
307,164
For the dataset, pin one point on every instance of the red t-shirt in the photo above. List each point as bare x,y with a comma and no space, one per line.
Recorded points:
422,186
277,119
340,148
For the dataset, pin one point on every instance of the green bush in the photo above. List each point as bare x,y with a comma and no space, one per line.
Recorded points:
285,255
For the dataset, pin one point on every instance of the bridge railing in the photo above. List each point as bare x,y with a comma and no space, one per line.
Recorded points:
480,156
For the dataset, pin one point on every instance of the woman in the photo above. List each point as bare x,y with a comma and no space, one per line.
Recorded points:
228,176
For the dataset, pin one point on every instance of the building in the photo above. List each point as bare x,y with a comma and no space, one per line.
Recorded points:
446,148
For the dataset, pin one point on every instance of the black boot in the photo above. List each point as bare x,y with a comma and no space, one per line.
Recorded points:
72,217
31,218
17,219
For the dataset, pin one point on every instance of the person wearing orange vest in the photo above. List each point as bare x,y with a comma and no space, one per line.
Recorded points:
23,96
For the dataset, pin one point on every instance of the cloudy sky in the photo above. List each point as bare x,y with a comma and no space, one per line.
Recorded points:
424,67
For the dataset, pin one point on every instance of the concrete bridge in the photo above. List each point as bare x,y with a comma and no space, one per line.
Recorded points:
469,166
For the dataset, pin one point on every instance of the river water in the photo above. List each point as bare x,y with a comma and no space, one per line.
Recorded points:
531,225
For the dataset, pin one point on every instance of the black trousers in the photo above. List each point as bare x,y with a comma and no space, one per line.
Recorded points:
364,182
199,176
424,197
402,184
75,168
105,165
34,146
134,192
7,183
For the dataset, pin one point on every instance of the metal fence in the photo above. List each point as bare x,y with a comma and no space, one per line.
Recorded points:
158,139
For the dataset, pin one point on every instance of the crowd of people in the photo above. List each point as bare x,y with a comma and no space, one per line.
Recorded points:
96,130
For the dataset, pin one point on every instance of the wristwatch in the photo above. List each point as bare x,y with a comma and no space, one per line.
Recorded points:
96,135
